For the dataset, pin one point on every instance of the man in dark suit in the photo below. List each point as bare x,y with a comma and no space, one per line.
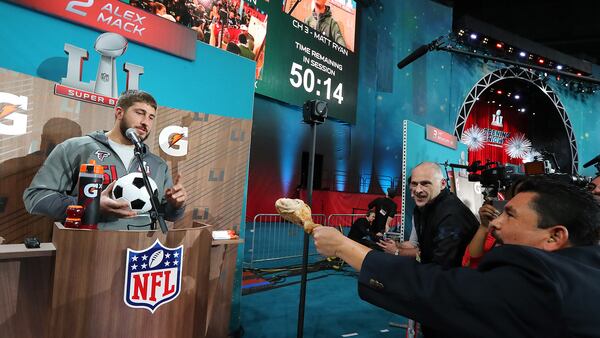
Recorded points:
595,188
541,282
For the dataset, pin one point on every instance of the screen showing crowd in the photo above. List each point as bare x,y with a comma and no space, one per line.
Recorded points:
233,25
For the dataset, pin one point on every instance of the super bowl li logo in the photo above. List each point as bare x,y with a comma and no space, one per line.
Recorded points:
104,89
153,276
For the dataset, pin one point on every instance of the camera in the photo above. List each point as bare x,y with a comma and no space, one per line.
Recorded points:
493,176
541,166
395,236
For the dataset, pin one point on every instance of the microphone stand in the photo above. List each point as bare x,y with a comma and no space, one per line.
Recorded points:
294,6
154,214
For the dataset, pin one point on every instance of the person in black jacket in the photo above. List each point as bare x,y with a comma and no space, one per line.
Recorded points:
595,187
542,281
361,230
385,209
444,225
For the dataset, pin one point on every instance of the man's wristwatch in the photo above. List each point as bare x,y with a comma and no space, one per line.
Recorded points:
397,252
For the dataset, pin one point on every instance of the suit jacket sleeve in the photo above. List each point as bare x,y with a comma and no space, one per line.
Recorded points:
504,301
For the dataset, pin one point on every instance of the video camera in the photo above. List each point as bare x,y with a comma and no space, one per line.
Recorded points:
543,167
493,176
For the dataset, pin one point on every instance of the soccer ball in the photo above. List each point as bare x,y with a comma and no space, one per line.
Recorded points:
131,189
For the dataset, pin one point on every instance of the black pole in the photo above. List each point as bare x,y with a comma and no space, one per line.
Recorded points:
154,214
309,192
520,64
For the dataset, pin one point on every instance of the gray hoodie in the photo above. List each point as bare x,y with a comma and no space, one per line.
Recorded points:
326,24
55,185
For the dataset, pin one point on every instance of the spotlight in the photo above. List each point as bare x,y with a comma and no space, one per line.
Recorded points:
499,92
461,32
517,97
541,61
499,45
522,54
314,111
473,36
559,67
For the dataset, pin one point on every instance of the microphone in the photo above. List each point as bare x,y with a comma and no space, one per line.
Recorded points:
413,56
458,166
592,161
134,138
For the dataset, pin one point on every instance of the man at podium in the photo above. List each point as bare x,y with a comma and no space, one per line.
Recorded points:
55,186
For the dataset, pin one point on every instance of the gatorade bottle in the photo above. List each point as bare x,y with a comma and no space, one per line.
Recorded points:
91,176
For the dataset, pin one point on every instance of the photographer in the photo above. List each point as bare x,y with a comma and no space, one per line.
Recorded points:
385,209
596,186
360,231
483,241
542,282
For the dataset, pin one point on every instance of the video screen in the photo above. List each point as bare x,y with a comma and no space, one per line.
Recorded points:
234,25
334,19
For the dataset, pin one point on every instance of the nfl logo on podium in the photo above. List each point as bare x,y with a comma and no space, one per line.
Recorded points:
153,276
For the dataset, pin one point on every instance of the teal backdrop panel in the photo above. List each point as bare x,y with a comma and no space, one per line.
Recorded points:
418,149
217,82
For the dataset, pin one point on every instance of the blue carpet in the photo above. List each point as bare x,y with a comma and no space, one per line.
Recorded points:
332,309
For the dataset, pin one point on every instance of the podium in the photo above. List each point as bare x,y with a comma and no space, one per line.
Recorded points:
75,286
89,281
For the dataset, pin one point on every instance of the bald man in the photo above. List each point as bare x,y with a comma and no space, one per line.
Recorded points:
444,225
